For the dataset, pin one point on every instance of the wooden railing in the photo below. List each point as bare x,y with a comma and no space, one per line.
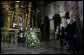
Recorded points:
6,31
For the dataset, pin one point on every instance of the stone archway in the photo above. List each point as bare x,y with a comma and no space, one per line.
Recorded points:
46,29
57,20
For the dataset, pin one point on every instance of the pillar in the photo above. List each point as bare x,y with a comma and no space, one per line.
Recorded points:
51,29
17,11
7,13
29,14
7,16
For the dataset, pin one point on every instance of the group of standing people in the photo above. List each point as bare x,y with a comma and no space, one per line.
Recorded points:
70,34
21,34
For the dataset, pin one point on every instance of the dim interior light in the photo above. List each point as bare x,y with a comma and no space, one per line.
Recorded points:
38,10
17,1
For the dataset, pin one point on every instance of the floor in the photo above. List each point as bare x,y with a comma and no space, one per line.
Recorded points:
46,47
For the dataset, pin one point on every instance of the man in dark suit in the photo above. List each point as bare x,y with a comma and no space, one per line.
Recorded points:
68,31
12,32
75,35
61,34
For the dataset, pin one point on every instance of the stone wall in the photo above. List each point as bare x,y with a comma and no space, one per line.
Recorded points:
61,7
50,10
80,3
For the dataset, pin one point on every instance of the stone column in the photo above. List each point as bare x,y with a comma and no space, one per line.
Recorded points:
80,6
63,21
51,29
7,15
80,9
16,17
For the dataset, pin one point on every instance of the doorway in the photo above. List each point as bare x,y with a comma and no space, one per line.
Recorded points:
57,21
